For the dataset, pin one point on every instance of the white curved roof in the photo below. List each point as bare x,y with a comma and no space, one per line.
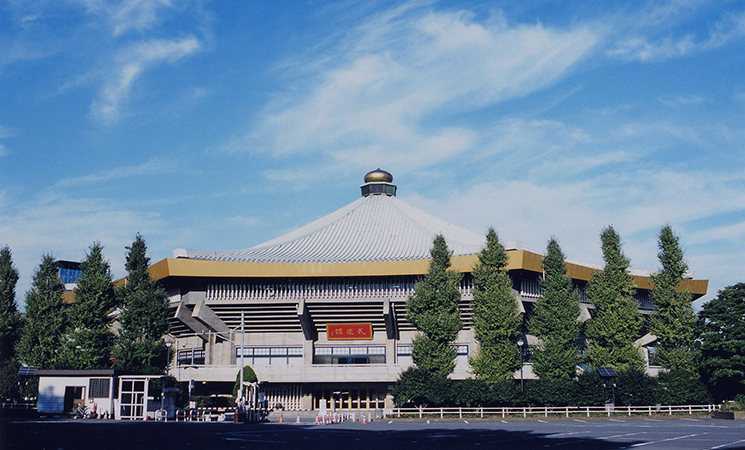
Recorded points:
371,229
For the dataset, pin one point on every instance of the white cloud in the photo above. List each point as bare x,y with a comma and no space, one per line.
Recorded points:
66,227
728,233
656,38
681,100
405,68
6,132
127,15
637,204
155,166
643,49
136,14
130,65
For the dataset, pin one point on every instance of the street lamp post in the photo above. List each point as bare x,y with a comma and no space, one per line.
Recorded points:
168,357
521,344
240,394
241,401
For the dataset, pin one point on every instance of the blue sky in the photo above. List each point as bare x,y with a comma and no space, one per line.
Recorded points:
221,125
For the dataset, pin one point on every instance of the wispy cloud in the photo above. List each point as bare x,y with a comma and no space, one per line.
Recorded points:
127,15
404,68
130,64
576,211
78,222
155,166
121,41
662,39
681,100
137,14
5,133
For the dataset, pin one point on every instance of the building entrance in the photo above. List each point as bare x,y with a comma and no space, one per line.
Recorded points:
350,398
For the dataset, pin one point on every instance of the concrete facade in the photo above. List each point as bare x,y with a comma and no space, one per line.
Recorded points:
356,266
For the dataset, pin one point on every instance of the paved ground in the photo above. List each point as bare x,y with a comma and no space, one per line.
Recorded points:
523,434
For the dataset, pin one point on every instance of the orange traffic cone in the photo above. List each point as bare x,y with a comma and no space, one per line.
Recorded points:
298,419
281,418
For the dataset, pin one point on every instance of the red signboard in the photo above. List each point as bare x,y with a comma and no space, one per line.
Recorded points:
345,331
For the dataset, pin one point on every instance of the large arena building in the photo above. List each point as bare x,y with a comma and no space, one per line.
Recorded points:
319,313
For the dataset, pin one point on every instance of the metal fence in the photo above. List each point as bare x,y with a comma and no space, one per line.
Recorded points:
544,411
18,406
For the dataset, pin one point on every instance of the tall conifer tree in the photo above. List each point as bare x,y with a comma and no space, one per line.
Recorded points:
90,337
723,342
554,319
10,318
675,321
616,321
496,321
144,318
433,310
42,338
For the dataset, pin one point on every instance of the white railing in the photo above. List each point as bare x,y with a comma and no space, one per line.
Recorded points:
545,411
290,397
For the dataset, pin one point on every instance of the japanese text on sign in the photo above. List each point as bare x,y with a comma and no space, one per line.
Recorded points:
346,331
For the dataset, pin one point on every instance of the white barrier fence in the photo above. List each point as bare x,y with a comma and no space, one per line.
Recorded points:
566,411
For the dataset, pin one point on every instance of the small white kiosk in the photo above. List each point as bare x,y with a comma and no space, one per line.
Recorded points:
104,394
64,391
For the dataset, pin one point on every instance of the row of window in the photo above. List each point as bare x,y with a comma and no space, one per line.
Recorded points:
192,357
269,351
323,288
405,350
356,350
371,354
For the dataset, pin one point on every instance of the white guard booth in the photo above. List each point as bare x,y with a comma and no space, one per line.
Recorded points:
104,394
64,391
137,400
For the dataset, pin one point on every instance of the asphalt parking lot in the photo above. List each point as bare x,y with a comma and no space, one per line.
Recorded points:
524,434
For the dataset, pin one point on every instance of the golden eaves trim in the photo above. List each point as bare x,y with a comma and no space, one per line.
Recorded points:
518,260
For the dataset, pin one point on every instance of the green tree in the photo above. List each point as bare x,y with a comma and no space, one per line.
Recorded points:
144,319
433,310
616,321
675,321
45,322
634,387
11,384
249,376
10,318
680,388
90,339
555,319
723,347
496,320
418,387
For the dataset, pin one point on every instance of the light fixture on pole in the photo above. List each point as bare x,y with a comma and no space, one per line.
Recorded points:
168,356
521,344
243,344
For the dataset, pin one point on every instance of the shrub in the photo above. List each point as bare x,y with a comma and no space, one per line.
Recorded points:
470,392
680,388
504,393
248,375
412,387
551,392
634,388
588,390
